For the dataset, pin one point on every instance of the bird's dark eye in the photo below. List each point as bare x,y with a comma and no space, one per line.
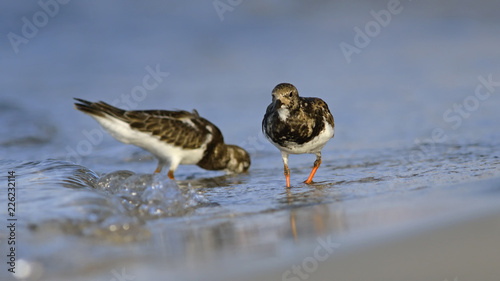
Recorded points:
291,94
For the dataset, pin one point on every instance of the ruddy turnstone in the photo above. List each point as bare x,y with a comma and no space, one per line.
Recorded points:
174,137
297,125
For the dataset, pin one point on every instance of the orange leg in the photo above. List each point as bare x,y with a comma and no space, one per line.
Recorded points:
159,167
284,155
315,168
287,175
171,174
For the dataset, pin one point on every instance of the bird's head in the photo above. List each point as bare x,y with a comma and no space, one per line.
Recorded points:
239,159
285,94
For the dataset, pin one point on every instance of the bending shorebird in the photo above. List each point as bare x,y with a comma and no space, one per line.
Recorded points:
297,125
174,137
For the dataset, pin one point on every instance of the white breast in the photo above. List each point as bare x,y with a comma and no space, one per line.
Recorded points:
313,146
283,114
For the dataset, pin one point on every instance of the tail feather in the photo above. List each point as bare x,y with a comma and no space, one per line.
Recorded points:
98,108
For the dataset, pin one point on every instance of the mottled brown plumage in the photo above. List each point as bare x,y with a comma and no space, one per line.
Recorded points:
174,137
297,125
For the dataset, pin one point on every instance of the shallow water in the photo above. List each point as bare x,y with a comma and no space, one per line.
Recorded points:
88,207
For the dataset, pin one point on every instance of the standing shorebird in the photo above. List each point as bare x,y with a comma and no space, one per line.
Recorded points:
297,125
174,137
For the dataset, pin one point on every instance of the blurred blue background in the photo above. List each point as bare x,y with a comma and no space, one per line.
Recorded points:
224,58
400,77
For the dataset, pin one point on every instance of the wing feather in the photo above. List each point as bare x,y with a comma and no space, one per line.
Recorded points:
179,128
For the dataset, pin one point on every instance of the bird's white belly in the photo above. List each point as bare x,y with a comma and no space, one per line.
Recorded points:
162,150
313,146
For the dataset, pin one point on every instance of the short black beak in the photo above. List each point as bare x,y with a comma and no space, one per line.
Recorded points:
277,104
